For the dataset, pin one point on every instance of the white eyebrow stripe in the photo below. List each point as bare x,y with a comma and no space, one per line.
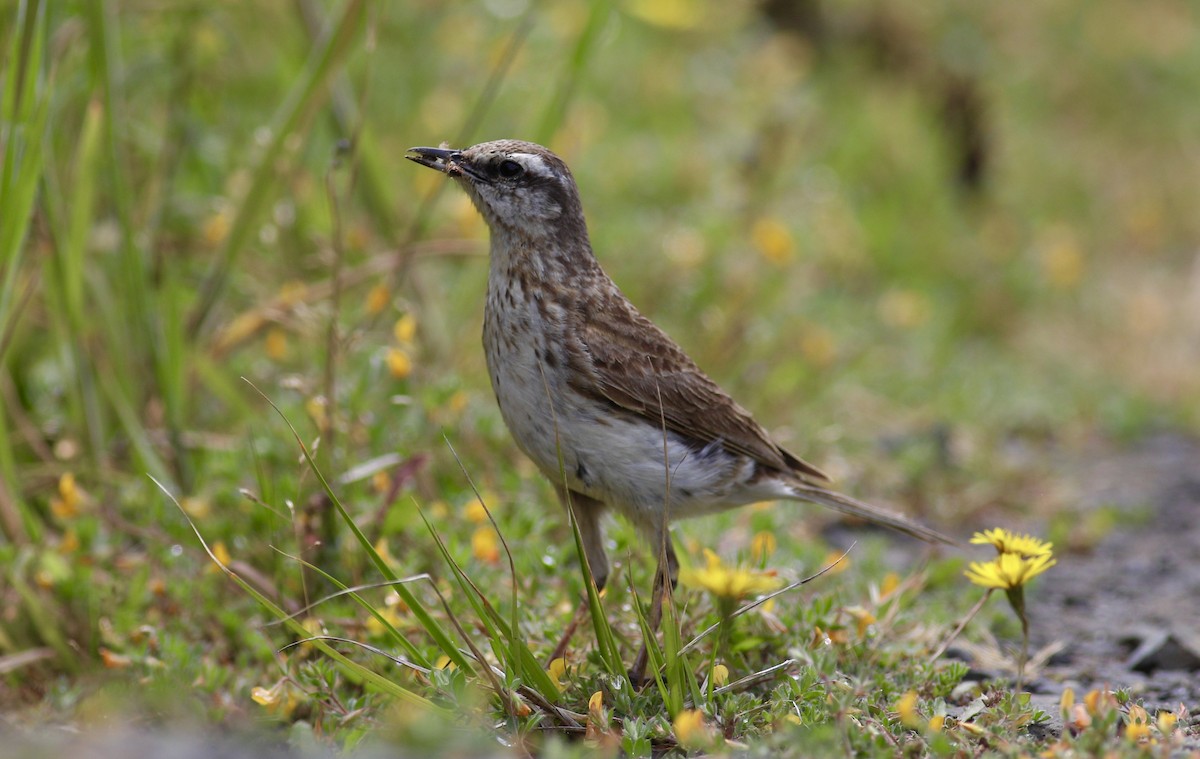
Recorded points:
534,163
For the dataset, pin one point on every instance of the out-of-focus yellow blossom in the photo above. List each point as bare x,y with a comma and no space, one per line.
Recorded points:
773,240
70,500
405,329
399,363
485,546
762,545
276,344
728,582
557,670
720,675
906,709
378,299
691,730
670,14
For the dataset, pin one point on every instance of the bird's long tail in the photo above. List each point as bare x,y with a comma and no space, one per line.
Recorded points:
847,505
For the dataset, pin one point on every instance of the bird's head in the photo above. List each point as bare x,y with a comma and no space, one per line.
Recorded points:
519,187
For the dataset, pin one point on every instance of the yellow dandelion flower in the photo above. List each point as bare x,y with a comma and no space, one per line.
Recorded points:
1010,542
405,329
1008,570
399,363
378,299
763,545
690,729
728,582
485,546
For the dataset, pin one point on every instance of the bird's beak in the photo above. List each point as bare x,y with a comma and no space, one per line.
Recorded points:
442,159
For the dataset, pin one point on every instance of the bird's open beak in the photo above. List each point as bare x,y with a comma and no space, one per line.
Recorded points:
442,159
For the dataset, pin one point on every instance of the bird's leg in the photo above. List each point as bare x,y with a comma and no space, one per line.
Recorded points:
587,513
667,568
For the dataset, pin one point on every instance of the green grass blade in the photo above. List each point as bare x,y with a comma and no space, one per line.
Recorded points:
414,604
357,670
605,641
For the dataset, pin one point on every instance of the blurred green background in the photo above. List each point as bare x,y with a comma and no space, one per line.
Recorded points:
934,247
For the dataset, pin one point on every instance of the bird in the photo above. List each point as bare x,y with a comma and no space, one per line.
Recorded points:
611,410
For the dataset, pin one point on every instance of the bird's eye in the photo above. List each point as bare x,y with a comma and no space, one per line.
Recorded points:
510,169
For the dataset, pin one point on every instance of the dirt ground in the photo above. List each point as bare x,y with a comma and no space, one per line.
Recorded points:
1126,613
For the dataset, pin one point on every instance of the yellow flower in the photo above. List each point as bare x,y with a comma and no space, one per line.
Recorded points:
1010,542
69,500
906,709
276,344
405,329
485,546
690,730
763,545
1008,570
1165,722
773,240
863,619
264,696
222,555
378,299
1137,724
720,675
399,363
936,722
728,582
392,616
556,670
671,14
475,511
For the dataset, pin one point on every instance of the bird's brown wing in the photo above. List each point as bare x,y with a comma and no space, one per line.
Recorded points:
624,358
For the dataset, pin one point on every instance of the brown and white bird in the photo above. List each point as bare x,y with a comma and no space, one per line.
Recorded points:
604,402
